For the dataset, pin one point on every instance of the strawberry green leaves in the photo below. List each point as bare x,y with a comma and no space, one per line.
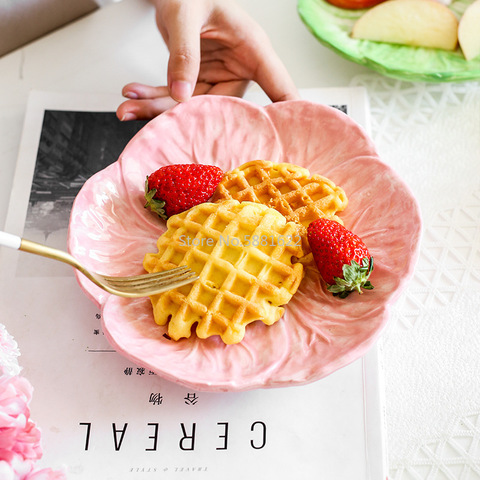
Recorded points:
342,258
355,277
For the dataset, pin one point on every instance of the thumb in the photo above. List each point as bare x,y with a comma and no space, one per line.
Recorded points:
184,61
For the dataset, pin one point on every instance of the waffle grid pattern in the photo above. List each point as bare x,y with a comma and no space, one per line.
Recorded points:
243,256
287,188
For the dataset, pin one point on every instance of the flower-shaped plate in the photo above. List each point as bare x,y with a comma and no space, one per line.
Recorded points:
332,26
110,232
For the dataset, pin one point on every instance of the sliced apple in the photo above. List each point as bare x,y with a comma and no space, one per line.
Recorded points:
420,23
469,31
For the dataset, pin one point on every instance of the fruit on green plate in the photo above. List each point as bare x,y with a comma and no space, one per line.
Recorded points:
469,31
419,23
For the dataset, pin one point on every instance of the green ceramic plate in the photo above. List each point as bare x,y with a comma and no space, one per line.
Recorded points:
332,27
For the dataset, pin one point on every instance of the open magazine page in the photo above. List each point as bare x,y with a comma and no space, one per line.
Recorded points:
104,417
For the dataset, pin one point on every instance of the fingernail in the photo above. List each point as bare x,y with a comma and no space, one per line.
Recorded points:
131,95
181,91
129,116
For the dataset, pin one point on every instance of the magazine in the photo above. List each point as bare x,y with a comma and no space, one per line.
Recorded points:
103,417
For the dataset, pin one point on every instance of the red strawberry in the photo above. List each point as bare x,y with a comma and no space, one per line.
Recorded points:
175,188
342,258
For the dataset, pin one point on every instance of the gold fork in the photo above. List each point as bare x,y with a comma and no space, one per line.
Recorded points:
132,286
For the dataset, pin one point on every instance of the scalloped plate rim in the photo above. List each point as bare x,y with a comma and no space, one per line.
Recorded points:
385,306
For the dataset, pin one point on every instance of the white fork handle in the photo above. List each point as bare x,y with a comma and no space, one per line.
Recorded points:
9,240
19,243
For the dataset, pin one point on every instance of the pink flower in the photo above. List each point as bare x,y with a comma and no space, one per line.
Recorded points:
18,434
16,468
8,353
46,474
20,469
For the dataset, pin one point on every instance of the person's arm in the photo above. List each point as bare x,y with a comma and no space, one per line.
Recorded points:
215,48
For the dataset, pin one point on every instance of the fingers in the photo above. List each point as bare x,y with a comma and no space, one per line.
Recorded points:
144,109
139,90
235,50
235,88
146,102
275,81
182,22
271,74
258,53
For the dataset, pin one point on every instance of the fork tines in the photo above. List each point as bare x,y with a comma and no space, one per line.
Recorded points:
152,280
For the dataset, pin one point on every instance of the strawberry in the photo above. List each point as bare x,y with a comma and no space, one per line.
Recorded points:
342,258
175,188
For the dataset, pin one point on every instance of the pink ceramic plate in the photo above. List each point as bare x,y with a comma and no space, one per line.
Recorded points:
110,232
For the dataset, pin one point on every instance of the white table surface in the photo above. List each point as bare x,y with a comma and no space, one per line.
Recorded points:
119,44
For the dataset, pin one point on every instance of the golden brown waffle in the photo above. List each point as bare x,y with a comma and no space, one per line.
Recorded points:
287,188
242,253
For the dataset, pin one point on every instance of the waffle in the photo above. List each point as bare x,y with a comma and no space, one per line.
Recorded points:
242,253
287,188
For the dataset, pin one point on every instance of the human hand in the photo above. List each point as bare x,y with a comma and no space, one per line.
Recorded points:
215,48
